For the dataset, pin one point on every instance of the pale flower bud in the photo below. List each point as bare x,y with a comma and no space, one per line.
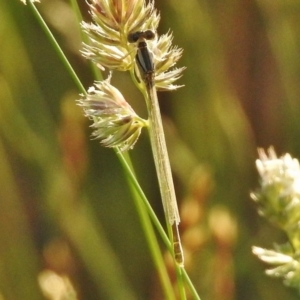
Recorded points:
115,123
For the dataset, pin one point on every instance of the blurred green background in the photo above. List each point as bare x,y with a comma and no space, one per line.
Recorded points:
65,204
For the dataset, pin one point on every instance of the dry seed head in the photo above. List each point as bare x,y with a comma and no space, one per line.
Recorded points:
108,45
115,123
114,20
165,57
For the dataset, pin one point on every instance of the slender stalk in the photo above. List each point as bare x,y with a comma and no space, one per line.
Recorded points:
142,196
180,283
190,285
148,230
139,191
78,16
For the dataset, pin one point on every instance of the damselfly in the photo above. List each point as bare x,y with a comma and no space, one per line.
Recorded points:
145,63
144,58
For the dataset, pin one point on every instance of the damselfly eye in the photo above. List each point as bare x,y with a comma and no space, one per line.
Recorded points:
148,35
134,37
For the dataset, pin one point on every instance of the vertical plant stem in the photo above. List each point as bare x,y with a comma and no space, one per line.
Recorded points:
139,192
180,283
190,284
149,232
132,179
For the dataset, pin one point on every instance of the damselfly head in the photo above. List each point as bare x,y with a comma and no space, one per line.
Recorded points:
148,35
135,36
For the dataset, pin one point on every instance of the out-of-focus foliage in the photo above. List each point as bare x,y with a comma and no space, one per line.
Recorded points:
65,205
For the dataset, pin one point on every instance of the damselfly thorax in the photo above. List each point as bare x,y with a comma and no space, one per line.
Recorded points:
144,57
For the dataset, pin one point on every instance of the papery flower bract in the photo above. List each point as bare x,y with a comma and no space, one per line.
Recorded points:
164,81
115,123
287,265
165,57
271,256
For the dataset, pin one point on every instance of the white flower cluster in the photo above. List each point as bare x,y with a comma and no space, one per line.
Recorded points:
24,1
279,195
279,201
284,170
115,123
